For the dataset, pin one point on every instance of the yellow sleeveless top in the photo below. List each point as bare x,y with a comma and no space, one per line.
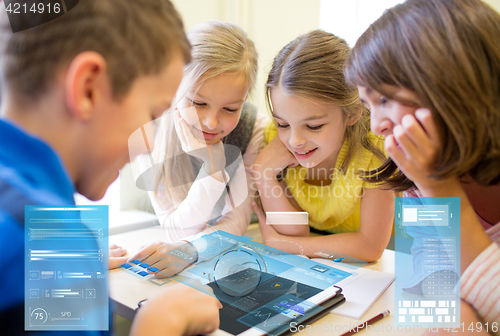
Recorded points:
335,207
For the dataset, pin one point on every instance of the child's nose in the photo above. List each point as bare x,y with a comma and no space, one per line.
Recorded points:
381,125
296,140
210,120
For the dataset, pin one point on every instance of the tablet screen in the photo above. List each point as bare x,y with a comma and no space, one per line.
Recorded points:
251,298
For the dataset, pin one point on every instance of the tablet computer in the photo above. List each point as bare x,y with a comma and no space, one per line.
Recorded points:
256,303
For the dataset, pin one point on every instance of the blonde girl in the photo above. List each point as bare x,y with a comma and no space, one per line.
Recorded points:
429,71
211,138
320,141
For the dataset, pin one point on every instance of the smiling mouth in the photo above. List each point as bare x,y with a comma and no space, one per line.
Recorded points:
305,154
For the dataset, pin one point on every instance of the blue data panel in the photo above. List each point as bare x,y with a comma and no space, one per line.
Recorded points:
66,262
427,242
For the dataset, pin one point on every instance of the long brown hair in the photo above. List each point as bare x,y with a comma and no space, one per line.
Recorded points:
448,53
312,66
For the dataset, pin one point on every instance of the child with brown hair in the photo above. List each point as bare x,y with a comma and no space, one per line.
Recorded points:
320,139
429,71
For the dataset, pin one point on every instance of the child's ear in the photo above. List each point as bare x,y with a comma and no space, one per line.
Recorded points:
85,78
353,118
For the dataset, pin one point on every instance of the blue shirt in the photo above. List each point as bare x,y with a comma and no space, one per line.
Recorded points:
31,173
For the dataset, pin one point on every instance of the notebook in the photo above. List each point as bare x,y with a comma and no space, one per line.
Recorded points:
360,290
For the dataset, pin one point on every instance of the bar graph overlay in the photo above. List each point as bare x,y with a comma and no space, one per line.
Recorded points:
427,244
66,262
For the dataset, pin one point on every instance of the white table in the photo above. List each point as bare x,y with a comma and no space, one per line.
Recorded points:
126,290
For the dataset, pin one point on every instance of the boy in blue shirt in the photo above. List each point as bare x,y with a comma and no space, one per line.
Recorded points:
72,92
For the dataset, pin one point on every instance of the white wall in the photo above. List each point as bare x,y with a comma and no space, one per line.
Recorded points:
271,24
349,19
494,4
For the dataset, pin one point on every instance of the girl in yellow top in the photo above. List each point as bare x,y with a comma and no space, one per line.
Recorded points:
318,144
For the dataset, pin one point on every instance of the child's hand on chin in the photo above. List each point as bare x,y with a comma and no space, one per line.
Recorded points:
414,146
213,158
276,157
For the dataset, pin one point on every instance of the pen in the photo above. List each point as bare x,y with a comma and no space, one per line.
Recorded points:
367,323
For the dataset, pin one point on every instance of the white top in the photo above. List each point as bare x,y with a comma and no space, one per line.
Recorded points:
190,216
480,283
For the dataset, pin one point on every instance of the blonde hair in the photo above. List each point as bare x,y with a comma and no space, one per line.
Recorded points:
217,48
448,53
312,66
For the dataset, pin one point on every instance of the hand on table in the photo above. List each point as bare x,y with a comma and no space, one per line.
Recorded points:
178,310
116,256
170,259
273,238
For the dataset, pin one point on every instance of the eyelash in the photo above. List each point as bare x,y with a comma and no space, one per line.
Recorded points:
364,104
315,128
382,101
203,104
196,103
312,128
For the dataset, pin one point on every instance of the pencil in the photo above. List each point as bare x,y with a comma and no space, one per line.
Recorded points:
367,323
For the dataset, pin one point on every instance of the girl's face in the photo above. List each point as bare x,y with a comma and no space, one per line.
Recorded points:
386,113
312,130
218,103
